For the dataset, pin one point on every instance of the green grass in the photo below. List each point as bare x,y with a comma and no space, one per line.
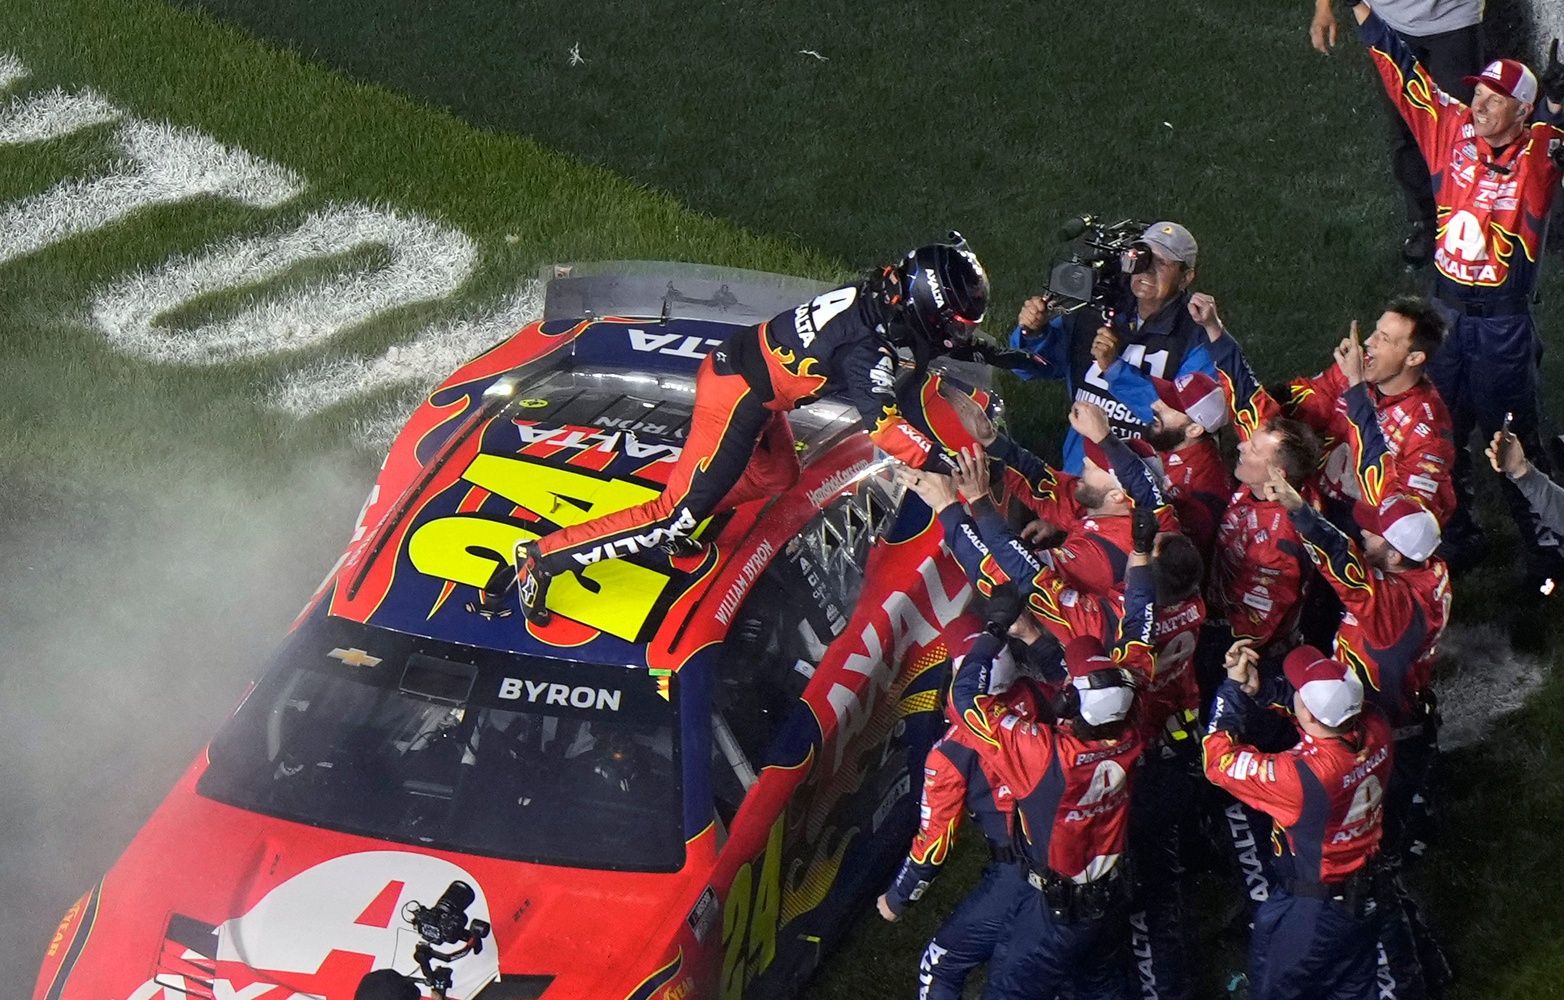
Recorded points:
694,131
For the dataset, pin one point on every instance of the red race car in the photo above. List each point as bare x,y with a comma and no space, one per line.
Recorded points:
684,785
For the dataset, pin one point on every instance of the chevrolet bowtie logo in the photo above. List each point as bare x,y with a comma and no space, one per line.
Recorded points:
354,657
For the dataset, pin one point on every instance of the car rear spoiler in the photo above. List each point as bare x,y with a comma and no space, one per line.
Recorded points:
641,289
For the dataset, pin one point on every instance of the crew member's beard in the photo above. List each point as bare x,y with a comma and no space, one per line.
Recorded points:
1089,497
1162,438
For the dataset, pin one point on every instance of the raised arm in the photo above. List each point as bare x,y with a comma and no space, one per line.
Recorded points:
1423,106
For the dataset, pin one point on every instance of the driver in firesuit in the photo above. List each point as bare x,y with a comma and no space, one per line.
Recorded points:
844,340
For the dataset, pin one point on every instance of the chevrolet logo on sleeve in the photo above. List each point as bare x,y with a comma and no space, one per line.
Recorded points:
354,657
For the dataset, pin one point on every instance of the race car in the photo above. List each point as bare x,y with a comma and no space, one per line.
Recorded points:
684,785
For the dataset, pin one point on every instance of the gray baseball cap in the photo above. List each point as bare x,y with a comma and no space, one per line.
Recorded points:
1173,241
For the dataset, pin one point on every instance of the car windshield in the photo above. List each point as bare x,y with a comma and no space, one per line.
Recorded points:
421,742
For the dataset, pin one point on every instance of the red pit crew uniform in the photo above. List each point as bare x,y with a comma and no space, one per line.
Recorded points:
743,390
1095,550
1257,571
1389,634
1315,934
1493,209
992,555
1376,445
956,780
1199,485
1072,795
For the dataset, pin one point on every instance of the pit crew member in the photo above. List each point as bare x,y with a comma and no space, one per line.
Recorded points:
1497,179
1315,934
844,340
1385,427
1070,774
956,779
1396,596
1107,364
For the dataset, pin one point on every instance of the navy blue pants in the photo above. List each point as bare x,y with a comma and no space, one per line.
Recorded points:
1488,367
969,935
1311,949
1166,792
1040,954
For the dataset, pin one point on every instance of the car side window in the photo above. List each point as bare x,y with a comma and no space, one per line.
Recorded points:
797,608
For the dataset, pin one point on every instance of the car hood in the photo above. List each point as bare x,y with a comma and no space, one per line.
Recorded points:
209,892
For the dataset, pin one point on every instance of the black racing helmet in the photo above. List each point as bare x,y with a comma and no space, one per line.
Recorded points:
944,294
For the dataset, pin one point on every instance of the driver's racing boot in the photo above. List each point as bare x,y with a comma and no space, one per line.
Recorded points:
683,546
532,581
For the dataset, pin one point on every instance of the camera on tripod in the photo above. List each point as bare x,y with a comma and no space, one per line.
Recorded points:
1100,253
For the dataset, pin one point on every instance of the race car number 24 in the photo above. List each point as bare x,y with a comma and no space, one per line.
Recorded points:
749,918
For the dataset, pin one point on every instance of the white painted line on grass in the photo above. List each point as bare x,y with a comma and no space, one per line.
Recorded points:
1480,680
163,165
49,116
422,362
11,70
428,262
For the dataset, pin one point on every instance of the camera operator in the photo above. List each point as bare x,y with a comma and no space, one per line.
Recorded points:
1151,332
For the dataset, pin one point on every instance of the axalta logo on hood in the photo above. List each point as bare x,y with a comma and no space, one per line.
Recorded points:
320,931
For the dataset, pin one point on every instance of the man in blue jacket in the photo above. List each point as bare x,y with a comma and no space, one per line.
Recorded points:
1156,329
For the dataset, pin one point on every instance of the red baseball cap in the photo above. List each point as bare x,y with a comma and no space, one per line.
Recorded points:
1402,521
1104,697
1196,395
1508,77
1147,454
1330,688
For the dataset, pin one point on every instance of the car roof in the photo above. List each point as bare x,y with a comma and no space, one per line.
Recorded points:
589,417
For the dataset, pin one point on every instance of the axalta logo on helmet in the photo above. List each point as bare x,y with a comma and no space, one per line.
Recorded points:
934,287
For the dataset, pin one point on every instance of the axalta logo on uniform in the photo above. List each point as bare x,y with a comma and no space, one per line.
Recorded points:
679,527
563,695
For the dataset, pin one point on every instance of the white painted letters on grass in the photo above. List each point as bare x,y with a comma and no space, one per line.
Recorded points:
423,361
428,262
11,70
161,165
49,116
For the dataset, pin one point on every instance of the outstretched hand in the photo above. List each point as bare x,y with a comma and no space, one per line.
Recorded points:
1506,455
1322,30
973,419
1004,606
1143,530
971,476
936,490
